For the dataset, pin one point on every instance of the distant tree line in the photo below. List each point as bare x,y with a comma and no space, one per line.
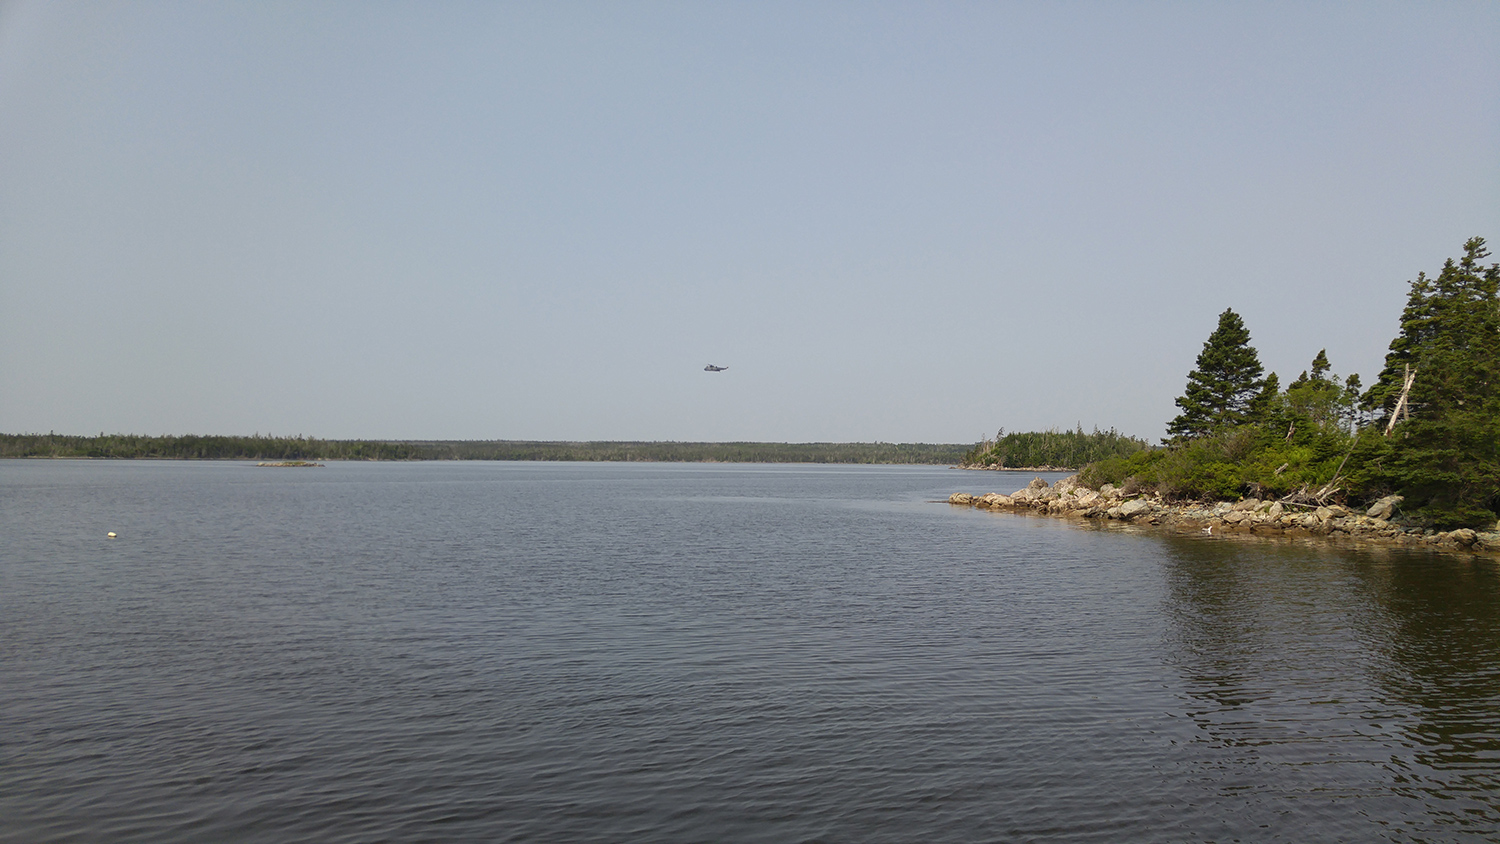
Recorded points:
192,447
1428,429
1050,448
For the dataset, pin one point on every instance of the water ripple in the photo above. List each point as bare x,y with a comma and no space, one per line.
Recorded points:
465,652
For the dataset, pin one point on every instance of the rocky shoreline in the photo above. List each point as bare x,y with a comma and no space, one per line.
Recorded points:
1377,523
1000,468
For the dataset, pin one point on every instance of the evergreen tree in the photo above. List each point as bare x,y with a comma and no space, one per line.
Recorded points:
1265,407
1320,366
1319,397
1220,391
1417,326
1446,458
1351,400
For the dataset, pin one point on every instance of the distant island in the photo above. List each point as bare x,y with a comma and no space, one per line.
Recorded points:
291,449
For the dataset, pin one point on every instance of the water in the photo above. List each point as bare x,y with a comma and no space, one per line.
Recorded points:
566,652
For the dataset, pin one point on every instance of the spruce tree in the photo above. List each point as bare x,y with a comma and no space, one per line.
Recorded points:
1265,407
1318,397
1221,390
1446,458
1321,366
1351,401
1417,325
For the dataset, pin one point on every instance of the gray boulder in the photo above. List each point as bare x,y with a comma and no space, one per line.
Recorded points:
1463,537
1383,508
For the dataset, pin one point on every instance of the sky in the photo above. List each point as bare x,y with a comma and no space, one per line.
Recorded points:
898,222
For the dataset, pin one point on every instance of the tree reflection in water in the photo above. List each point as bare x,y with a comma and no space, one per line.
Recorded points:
1317,676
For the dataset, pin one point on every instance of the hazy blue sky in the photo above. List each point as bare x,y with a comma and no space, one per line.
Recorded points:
541,220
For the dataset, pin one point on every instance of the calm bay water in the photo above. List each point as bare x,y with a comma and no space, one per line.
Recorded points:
569,652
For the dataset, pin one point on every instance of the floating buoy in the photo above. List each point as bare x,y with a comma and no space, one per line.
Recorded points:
111,534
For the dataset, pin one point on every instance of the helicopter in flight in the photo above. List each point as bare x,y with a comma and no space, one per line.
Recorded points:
712,368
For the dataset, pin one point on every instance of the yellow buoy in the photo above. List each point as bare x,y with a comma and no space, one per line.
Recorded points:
111,534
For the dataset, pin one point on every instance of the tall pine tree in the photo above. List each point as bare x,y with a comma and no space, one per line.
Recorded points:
1446,458
1222,389
1417,327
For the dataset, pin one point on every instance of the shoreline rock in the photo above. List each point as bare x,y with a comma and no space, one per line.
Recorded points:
1069,499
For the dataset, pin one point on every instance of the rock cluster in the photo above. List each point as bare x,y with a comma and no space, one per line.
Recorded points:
1378,522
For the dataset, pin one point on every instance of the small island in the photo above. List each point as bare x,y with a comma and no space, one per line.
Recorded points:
290,464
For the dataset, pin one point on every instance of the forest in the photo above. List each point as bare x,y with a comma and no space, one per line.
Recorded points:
1428,429
191,447
1051,449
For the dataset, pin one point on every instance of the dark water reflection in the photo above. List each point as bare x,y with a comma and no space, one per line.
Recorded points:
1386,658
524,652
